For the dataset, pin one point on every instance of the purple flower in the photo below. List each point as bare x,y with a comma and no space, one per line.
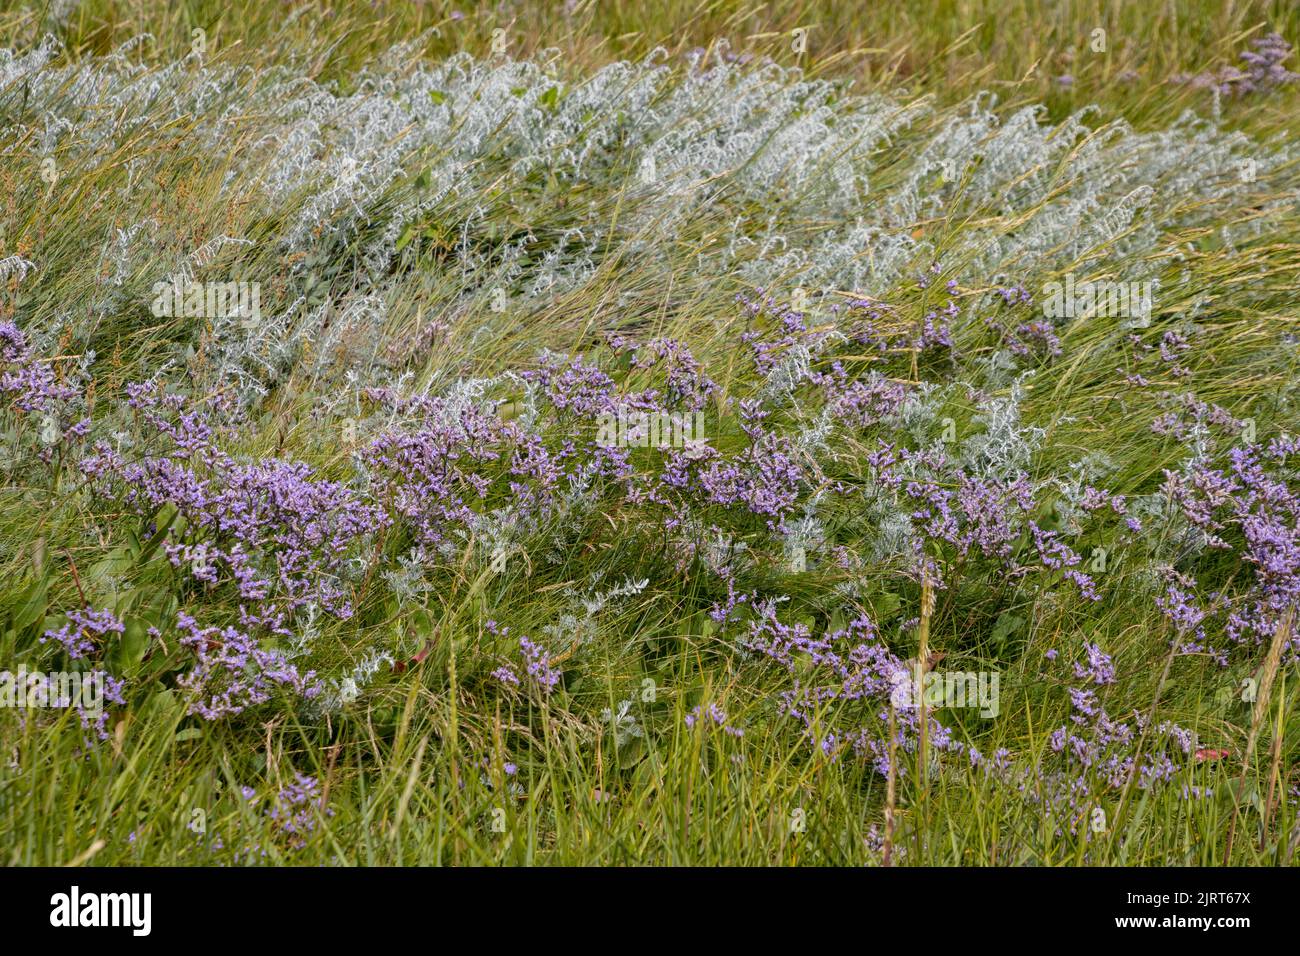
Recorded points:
537,663
85,631
1098,668
232,672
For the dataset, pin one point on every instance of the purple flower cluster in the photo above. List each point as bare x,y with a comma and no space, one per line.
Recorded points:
1099,754
536,662
848,666
931,332
296,809
717,715
764,479
1031,339
35,388
1262,72
86,635
984,515
285,821
863,403
1098,668
31,383
1243,506
85,632
112,691
1263,68
574,386
279,533
428,477
687,384
232,672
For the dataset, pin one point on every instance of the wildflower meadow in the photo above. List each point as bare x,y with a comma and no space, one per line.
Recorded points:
663,433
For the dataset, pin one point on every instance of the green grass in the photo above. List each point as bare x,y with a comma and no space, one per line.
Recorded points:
413,770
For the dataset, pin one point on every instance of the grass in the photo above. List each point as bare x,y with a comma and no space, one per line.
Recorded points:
414,770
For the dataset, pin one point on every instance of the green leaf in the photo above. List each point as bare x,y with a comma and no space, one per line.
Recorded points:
885,606
1052,520
31,605
1007,625
633,751
112,566
163,522
161,703
131,647
438,97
